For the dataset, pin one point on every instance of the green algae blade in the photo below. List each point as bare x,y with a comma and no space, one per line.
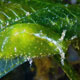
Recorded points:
57,16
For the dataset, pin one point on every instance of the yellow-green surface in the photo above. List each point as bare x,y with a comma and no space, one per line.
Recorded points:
31,40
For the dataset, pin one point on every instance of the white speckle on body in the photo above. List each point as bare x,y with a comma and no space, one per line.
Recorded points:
73,37
63,35
3,44
15,49
27,13
30,61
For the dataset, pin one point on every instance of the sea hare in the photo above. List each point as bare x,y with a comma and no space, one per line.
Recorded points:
27,41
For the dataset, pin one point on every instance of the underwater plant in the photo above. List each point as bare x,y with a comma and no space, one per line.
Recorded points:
36,28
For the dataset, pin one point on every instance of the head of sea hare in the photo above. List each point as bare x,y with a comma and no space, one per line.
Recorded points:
30,40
